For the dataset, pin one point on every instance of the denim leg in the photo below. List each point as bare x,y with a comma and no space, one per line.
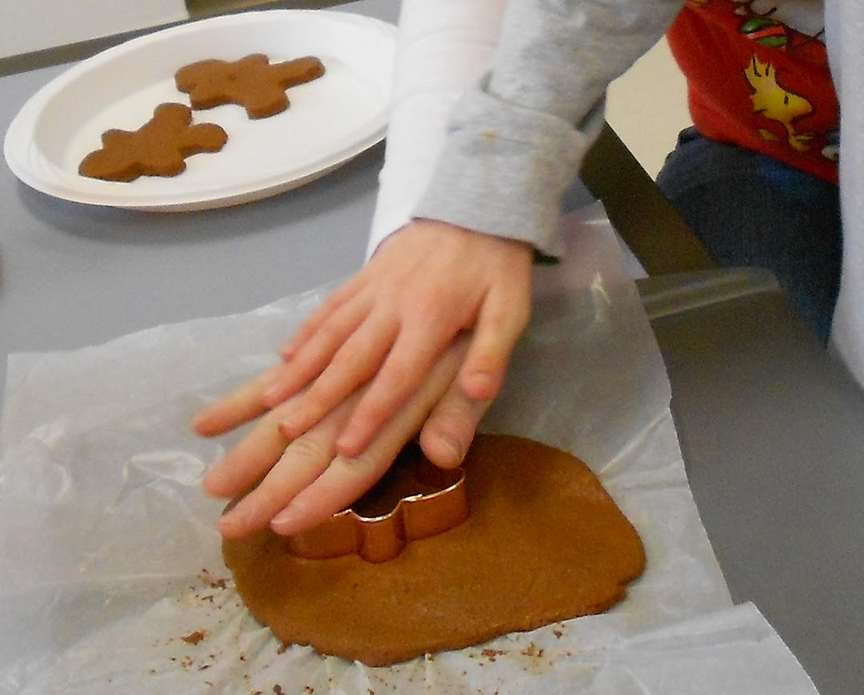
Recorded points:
749,209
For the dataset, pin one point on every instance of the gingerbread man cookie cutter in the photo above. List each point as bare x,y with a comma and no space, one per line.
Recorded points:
383,537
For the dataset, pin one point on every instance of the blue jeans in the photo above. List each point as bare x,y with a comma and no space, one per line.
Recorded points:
749,209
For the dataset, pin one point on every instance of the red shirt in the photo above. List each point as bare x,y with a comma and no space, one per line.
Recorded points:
757,82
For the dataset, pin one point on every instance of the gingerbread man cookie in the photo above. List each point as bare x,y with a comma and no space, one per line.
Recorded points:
252,82
158,148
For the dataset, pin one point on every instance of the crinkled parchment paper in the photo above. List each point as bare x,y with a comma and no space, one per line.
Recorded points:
112,579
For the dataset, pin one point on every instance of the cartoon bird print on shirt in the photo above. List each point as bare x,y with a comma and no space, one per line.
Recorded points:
774,102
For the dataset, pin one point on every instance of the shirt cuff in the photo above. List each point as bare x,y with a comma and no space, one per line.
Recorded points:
506,168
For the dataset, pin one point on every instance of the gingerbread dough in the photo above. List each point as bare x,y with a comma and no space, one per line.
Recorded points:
544,542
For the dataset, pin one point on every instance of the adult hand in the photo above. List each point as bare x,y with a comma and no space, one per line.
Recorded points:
386,327
302,481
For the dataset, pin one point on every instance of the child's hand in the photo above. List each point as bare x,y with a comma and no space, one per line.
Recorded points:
302,481
388,324
418,340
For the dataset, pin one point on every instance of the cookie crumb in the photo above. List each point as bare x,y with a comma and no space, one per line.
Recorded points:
194,637
492,654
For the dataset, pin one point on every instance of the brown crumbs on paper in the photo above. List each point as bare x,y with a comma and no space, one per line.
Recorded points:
277,689
492,654
213,582
532,650
194,637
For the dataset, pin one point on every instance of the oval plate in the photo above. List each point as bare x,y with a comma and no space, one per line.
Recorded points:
330,120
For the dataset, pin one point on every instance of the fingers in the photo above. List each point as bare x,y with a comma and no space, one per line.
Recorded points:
450,427
300,464
346,479
248,461
502,319
308,360
303,482
396,348
356,361
310,326
364,373
240,406
391,324
271,468
343,482
304,477
401,375
492,298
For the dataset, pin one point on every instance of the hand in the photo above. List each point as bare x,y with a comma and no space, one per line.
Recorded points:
387,326
302,481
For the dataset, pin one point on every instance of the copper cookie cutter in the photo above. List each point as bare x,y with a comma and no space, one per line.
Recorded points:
378,537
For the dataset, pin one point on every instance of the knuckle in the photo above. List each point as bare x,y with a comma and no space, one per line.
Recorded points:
330,332
394,379
308,449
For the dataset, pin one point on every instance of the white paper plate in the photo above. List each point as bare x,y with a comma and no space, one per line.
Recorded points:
330,120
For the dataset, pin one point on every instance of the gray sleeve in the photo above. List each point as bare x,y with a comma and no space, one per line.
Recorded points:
517,140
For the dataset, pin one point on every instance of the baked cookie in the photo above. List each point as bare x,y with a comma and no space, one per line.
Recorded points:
543,542
158,148
252,82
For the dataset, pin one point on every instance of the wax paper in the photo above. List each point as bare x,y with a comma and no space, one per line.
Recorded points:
112,578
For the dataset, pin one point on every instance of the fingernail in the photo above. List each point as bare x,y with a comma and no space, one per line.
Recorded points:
234,521
453,448
207,485
284,520
203,415
272,396
288,427
349,447
482,386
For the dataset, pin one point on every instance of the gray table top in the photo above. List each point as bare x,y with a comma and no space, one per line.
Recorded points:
768,421
769,424
74,275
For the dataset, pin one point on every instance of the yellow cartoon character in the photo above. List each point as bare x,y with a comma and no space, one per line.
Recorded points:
776,103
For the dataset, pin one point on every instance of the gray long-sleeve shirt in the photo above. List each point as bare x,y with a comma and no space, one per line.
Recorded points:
512,149
516,140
